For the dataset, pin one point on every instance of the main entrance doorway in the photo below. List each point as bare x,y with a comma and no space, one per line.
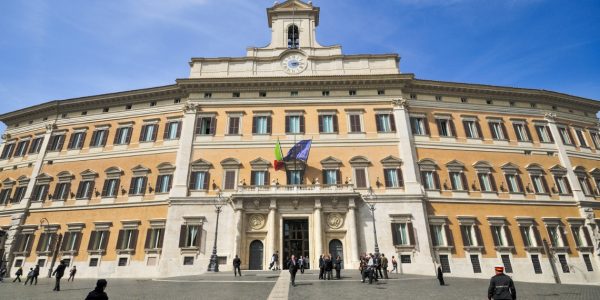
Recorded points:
256,255
335,248
295,239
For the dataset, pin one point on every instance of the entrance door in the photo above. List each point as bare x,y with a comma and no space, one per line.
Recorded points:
295,239
335,248
256,255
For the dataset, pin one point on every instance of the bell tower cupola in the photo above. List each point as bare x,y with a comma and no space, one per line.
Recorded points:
293,25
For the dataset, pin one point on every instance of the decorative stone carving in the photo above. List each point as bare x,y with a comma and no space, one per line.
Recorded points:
334,202
50,127
550,116
402,103
190,107
335,220
295,203
256,221
256,203
6,136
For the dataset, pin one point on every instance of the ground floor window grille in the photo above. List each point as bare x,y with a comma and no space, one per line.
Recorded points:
563,263
588,262
188,260
122,261
475,263
507,264
405,259
94,262
445,262
537,268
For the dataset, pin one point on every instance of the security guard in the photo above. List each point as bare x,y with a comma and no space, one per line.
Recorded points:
501,286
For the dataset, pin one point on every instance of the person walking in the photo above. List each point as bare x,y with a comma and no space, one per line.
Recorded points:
36,273
384,266
378,273
98,292
2,272
394,265
328,267
321,267
338,266
72,274
276,261
301,262
18,274
29,277
370,269
501,286
440,275
58,274
293,266
237,262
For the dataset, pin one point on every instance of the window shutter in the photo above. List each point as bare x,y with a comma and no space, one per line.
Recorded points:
65,241
392,122
335,124
361,180
504,132
91,190
70,144
411,233
134,237
438,123
129,132
320,123
436,179
192,184
465,184
132,186
253,178
105,241
198,129
400,178
269,124
465,126
302,124
386,178
324,175
587,236
491,127
509,238
206,180
45,187
254,120
117,133
155,132
30,244
213,125
80,145
179,125
452,128
522,230
574,233
43,237
287,124
545,183
378,122
105,188
493,181
53,238
516,129
520,183
144,184
395,234
338,177
78,238
160,238
199,237
550,134
229,180
148,238
166,131
529,138
478,236
536,234
479,129
80,190
120,239
570,135
170,179
495,236
267,179
563,236
116,188
143,132
182,236
480,179
92,240
464,230
449,237
94,136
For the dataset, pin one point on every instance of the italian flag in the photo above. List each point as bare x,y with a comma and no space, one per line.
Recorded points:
278,162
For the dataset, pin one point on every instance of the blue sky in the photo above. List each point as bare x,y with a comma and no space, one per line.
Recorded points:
63,49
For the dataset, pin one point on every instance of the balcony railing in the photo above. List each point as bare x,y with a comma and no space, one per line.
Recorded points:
290,189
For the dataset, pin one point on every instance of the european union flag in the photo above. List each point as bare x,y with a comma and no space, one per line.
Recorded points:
299,151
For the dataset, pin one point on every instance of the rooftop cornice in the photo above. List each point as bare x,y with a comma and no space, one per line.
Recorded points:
275,58
496,92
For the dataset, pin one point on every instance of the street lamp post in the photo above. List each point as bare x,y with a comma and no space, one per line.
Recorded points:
55,248
370,200
214,259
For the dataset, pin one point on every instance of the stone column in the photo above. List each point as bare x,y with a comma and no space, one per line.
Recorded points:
564,158
184,152
318,230
238,217
352,234
406,147
272,234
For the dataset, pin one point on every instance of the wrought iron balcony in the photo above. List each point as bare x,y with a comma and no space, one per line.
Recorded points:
294,189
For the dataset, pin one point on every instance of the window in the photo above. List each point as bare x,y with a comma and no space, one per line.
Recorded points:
76,140
489,102
468,235
234,125
385,122
99,138
5,196
522,132
402,234
294,124
149,132
437,236
164,183
585,185
458,181
123,136
361,177
85,189
537,267
190,236
84,113
430,180
46,242
562,184
393,178
515,185
56,142
498,130
206,126
565,135
7,151
36,145
262,94
581,235
506,262
413,96
563,263
259,178
172,130
588,262
463,99
328,123
71,241
24,242
419,126
199,180
501,236
294,177
405,259
539,184
105,109
475,263
19,194
445,263
380,92
111,187
325,93
154,238
40,192
207,95
438,98
127,239
486,182
331,177
94,262
122,261
355,123
293,37
235,94
294,93
581,138
352,92
557,237
261,125
21,148
188,260
472,129
596,139
138,185
177,101
229,180
98,240
544,134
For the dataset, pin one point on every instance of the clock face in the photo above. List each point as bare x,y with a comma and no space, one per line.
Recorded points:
294,64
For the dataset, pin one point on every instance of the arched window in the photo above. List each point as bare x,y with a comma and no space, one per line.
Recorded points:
293,37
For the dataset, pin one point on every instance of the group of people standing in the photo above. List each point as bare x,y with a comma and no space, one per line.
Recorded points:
326,266
375,266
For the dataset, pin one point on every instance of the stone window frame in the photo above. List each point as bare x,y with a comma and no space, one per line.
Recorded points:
531,226
200,241
557,222
578,224
230,164
392,162
424,119
451,127
79,130
353,112
72,228
7,185
42,181
475,120
26,140
26,230
335,120
128,225
302,121
581,174
410,230
500,121
456,166
104,141
240,116
392,119
363,163
567,130
22,183
484,167
259,114
430,165
560,171
447,235
153,225
88,175
512,169
586,143
474,233
139,171
49,232
164,169
506,235
331,163
100,226
525,124
535,169
259,165
200,165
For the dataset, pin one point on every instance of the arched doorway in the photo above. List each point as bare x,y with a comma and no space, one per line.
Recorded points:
336,248
256,255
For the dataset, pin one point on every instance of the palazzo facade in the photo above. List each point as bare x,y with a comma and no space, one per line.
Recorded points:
467,176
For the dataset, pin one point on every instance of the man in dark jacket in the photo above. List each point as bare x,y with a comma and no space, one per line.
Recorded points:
384,266
328,267
293,266
98,293
236,266
59,273
36,273
440,275
18,274
321,267
337,264
501,286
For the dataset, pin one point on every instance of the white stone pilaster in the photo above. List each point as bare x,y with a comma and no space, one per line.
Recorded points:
238,216
272,234
352,234
406,147
318,231
184,152
564,158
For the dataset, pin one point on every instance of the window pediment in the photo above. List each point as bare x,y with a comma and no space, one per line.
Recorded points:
467,220
391,161
165,168
8,183
427,164
558,170
595,172
201,165
455,166
23,180
482,166
231,163
331,163
43,178
535,169
360,161
580,171
140,170
260,164
113,172
510,168
89,174
65,176
497,221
